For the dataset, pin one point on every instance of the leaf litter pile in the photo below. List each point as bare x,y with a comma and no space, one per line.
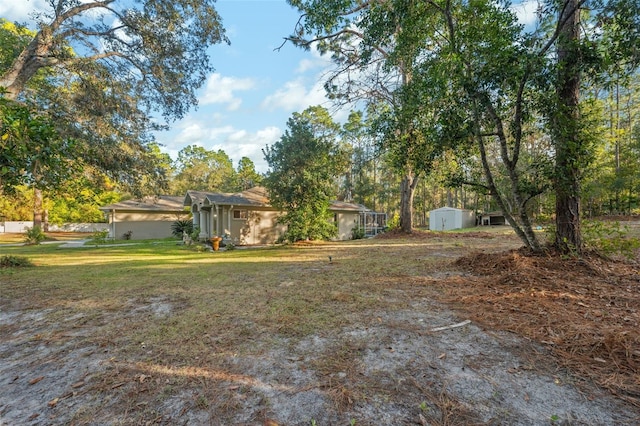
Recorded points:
585,311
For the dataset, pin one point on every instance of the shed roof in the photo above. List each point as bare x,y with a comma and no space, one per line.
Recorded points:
452,209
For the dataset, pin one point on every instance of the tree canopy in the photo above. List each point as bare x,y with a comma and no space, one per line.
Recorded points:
105,72
303,166
468,75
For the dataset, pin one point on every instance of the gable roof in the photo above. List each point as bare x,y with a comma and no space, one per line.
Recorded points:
159,203
254,197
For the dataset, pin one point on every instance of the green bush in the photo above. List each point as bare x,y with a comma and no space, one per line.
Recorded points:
100,237
9,261
181,226
357,233
394,222
34,235
195,233
609,238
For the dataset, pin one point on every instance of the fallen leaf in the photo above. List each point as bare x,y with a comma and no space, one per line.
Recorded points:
53,402
423,421
270,422
36,380
442,356
77,384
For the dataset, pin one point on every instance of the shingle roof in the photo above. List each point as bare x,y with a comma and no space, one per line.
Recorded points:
158,203
254,197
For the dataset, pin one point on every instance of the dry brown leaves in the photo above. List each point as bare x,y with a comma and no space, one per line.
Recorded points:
420,235
586,311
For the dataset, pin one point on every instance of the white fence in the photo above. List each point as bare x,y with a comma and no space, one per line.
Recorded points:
79,227
20,227
16,227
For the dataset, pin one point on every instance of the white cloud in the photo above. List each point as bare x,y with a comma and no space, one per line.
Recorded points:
526,11
295,96
220,90
237,143
315,61
20,11
241,143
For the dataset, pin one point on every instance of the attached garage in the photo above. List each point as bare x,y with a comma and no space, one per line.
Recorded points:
447,218
145,219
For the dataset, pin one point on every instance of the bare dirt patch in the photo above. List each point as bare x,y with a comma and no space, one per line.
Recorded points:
376,336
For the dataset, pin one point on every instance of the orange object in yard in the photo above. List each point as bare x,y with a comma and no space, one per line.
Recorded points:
215,242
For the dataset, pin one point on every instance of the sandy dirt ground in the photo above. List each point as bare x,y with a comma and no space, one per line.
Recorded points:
434,362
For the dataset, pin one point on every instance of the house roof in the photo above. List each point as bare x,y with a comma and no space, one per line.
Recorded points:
254,197
160,203
344,206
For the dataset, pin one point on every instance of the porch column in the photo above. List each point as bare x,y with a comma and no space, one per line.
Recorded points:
215,209
203,224
196,216
229,220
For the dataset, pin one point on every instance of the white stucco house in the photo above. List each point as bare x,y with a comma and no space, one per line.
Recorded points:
245,218
248,218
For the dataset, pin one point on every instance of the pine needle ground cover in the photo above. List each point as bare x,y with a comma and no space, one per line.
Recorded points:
369,332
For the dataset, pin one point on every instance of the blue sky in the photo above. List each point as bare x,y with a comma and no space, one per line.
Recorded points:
246,103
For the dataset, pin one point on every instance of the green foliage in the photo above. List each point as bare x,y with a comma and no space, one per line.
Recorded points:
195,233
246,175
100,237
303,166
609,238
357,233
179,227
34,235
103,102
9,261
394,222
32,152
198,169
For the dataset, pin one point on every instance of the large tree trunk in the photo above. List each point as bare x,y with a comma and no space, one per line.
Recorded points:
34,57
37,208
407,192
568,144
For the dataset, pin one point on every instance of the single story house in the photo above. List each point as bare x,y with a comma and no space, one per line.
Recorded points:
248,218
147,218
447,218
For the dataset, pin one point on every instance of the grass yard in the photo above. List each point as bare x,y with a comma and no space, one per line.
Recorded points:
326,334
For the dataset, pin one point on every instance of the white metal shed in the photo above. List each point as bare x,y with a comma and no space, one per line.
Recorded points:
447,218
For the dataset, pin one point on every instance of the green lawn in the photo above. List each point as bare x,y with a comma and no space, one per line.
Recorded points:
193,319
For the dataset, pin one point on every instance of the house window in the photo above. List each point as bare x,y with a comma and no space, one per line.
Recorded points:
240,214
